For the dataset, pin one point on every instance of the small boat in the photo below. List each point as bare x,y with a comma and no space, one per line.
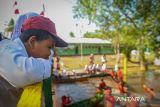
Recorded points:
92,102
81,78
98,75
70,80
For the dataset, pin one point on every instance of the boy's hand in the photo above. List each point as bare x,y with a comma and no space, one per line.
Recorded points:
51,56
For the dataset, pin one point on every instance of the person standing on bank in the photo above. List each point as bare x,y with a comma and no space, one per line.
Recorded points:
26,60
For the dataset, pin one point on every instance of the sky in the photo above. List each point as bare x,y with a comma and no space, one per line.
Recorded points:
59,11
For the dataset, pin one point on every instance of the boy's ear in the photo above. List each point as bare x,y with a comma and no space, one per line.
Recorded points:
32,40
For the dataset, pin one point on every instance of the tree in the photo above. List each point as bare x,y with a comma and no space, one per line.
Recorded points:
112,16
10,27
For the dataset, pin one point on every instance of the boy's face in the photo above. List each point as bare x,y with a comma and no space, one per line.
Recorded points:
40,49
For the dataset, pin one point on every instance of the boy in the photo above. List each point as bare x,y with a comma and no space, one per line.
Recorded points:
26,60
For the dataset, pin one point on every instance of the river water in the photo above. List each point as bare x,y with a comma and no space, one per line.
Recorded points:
83,90
79,90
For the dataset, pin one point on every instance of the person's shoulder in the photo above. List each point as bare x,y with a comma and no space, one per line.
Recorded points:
8,45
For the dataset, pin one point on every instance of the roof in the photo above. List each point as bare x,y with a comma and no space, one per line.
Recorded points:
87,41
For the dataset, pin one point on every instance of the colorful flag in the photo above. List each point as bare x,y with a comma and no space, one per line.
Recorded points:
15,3
42,13
16,11
43,8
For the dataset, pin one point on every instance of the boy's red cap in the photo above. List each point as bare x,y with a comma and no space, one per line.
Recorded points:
43,23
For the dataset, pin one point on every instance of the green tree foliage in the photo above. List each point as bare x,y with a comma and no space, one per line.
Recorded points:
131,23
10,26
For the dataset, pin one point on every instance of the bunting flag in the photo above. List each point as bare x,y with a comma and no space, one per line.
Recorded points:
16,11
42,13
43,8
15,3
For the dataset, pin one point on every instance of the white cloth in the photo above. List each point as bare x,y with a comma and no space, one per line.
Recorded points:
98,67
91,67
104,67
116,68
19,69
103,59
157,61
64,74
56,73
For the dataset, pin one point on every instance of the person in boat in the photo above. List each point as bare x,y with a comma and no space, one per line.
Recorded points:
122,87
132,103
58,63
119,75
28,57
65,101
56,72
91,68
112,74
98,68
103,58
109,100
149,92
91,58
116,67
64,74
74,73
102,85
86,68
104,67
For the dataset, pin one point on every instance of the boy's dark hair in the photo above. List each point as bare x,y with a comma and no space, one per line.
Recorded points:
40,35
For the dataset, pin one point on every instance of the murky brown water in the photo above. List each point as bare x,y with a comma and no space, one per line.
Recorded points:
77,91
84,90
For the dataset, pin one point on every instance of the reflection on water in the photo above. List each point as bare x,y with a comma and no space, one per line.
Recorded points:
84,90
77,91
150,79
149,76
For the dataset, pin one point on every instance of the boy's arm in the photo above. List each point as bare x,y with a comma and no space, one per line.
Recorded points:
19,69
35,69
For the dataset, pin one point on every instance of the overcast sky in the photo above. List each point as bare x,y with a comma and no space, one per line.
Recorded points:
59,11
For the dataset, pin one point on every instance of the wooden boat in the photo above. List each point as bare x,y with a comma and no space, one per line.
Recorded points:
98,75
92,102
80,78
70,80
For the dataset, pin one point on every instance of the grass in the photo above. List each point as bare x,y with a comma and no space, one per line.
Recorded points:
77,62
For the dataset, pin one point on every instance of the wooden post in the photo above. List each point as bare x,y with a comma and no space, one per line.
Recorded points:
125,69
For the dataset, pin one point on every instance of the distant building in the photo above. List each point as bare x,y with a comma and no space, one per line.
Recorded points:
86,46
